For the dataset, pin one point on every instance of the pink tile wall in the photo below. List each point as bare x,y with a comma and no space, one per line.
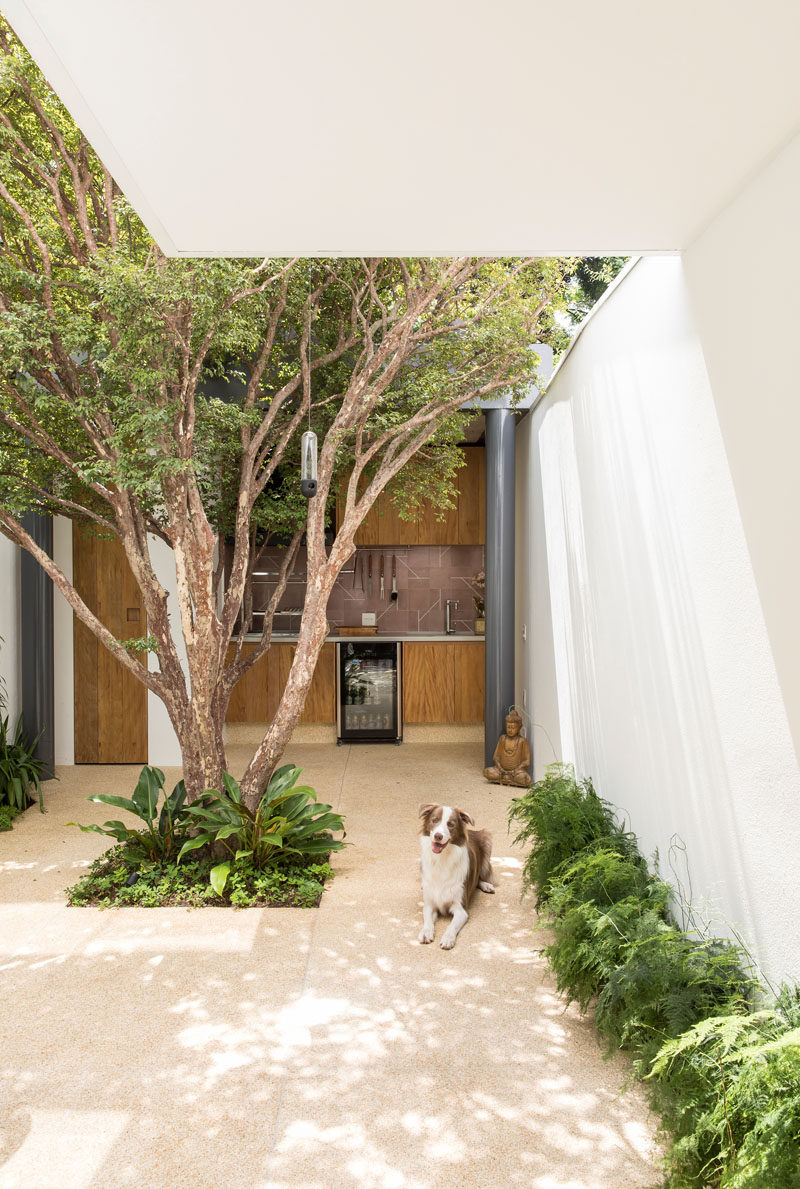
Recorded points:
427,575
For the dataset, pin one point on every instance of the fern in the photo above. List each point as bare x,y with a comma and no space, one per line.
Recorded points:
741,1121
724,1076
559,816
594,905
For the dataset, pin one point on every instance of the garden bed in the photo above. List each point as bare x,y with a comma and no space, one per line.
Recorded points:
108,884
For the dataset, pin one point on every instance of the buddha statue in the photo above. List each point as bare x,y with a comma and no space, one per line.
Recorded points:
512,756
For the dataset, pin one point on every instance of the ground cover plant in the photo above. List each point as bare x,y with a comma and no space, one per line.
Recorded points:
275,855
720,1061
110,882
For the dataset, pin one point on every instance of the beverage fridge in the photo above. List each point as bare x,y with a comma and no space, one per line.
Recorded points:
369,691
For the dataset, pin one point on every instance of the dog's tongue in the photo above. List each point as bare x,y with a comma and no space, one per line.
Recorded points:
437,847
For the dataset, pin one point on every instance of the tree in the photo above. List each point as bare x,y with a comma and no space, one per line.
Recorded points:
108,412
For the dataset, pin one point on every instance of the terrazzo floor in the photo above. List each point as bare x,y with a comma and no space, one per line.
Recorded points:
316,1049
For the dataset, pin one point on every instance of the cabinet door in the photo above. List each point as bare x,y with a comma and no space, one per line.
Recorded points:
256,697
472,498
250,698
321,699
428,683
439,532
469,680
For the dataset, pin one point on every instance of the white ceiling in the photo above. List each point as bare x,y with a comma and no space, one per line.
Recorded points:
427,127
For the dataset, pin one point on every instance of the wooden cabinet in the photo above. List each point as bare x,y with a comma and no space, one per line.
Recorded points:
256,697
443,682
465,524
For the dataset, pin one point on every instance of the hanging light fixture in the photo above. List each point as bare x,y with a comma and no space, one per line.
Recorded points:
308,442
308,464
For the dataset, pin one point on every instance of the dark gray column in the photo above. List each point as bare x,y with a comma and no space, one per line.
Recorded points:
500,545
36,643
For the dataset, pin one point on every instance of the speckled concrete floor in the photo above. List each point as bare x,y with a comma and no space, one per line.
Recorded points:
321,1049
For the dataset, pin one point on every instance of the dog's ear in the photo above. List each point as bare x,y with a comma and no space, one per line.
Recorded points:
424,810
465,817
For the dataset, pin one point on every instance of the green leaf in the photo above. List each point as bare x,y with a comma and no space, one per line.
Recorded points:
117,802
219,877
195,844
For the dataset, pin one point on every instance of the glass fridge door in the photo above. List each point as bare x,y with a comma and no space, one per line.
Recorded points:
368,691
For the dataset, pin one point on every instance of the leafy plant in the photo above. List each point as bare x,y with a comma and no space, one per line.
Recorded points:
7,815
595,905
20,770
560,816
737,1080
724,1076
165,829
287,820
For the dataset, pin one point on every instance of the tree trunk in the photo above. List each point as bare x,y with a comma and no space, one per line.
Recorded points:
203,751
313,630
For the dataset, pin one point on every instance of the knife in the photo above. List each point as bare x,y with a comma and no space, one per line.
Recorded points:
382,594
394,579
369,576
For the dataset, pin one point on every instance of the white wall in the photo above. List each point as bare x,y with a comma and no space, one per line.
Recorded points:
163,748
650,662
743,275
9,625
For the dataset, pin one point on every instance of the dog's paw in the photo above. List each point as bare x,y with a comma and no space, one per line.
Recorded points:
425,936
485,886
448,941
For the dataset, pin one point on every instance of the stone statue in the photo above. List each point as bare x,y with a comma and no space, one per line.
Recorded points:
512,756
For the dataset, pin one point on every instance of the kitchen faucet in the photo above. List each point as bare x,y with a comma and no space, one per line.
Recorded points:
448,622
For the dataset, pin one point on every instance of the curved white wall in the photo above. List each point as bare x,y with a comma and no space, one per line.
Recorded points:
648,661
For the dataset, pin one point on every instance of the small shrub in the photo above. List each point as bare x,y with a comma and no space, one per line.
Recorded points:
165,828
560,816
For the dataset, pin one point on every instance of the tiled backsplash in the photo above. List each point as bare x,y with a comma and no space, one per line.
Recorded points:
427,575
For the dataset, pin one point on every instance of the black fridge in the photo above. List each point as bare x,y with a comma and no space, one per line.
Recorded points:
369,691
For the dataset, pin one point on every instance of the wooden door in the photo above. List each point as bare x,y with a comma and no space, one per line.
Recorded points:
110,704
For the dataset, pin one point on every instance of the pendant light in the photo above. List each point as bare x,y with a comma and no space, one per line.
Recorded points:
308,442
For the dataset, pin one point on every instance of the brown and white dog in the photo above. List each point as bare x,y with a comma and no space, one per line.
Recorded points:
454,861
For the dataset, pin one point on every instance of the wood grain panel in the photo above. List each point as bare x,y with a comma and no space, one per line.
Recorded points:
469,680
110,703
391,529
428,682
256,697
439,532
472,498
321,701
249,701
